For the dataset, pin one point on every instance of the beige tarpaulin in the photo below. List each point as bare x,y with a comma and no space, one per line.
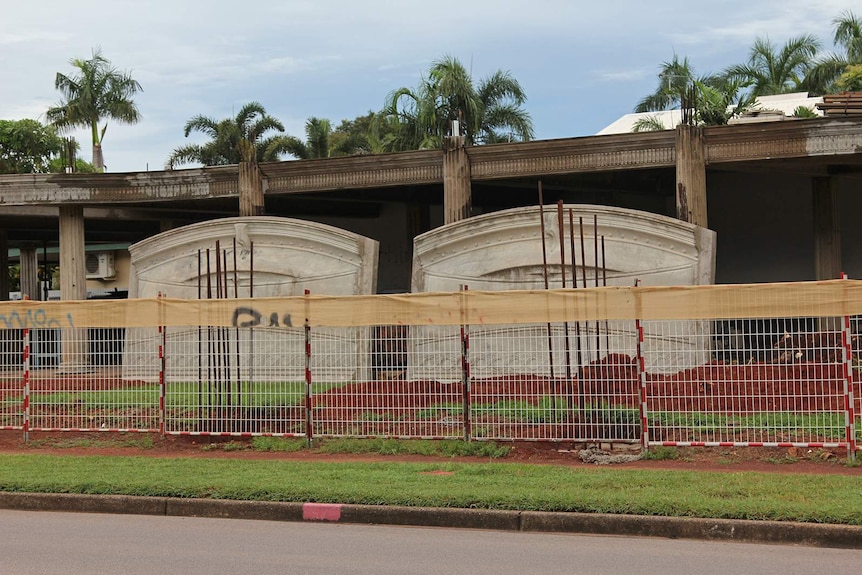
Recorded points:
803,299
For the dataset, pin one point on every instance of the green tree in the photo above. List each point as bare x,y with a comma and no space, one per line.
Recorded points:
234,140
823,76
851,79
362,135
674,79
649,124
710,100
318,132
488,112
27,146
99,91
770,71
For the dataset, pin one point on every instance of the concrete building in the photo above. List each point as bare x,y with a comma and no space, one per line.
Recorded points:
781,196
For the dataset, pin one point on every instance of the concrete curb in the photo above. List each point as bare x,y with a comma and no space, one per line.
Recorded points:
781,532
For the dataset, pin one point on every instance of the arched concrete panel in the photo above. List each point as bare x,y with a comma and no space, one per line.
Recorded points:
289,256
503,251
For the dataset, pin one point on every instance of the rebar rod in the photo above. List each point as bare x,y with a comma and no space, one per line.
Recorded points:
545,276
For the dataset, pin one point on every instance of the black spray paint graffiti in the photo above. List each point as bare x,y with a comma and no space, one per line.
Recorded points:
34,319
253,318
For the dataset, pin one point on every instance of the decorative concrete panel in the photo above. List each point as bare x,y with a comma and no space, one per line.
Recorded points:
289,257
503,251
261,257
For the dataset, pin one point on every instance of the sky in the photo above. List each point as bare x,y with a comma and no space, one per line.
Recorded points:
582,64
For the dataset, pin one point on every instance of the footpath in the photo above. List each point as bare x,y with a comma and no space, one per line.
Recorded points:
778,532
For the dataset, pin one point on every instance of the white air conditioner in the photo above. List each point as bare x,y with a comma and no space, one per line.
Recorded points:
100,265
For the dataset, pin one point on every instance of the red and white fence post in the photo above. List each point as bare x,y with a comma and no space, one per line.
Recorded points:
849,415
641,366
465,367
309,427
26,378
162,344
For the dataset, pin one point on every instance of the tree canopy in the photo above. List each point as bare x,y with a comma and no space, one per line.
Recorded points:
27,146
98,91
243,138
488,112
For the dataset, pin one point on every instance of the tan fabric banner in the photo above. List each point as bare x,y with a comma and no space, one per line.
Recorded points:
805,299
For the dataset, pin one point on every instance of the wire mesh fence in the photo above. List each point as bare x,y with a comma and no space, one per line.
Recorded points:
791,381
79,383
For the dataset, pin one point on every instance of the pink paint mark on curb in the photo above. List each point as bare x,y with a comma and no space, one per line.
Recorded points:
321,512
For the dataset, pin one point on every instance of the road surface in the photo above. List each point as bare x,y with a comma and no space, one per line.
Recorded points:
93,544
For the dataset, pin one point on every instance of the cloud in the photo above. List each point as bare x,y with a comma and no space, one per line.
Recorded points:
340,58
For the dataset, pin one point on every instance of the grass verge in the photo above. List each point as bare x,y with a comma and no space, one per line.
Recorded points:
743,495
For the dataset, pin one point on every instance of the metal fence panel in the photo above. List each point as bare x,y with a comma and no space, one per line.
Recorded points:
234,381
771,382
554,382
389,389
12,374
85,389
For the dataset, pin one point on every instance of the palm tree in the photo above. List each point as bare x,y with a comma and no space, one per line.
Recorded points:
98,91
771,72
234,140
488,112
824,74
649,124
674,78
719,99
709,100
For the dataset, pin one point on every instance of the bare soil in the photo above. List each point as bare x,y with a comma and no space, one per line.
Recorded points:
768,460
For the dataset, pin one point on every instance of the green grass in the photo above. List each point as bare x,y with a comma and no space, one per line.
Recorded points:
447,448
139,442
661,453
740,495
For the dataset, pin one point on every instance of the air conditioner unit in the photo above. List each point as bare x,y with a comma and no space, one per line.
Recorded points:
100,266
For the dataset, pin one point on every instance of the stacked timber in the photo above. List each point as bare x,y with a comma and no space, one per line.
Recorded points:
843,104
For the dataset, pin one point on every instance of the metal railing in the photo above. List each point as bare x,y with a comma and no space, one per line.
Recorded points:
702,382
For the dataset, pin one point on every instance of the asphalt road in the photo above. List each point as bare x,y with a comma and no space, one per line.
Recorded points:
41,542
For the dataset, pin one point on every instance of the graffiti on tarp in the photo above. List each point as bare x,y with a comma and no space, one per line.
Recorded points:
35,319
250,317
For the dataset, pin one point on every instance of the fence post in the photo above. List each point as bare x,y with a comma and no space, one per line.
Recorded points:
309,429
849,415
465,366
26,360
162,345
642,381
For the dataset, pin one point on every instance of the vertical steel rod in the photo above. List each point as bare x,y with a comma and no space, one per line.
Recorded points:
545,276
562,232
200,347
251,329
584,278
209,350
236,331
578,322
596,268
605,284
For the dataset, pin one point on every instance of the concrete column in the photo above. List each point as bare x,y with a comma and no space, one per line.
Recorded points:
73,286
690,175
827,230
4,265
30,273
457,196
250,187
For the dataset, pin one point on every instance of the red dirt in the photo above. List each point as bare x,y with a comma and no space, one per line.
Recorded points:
733,460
